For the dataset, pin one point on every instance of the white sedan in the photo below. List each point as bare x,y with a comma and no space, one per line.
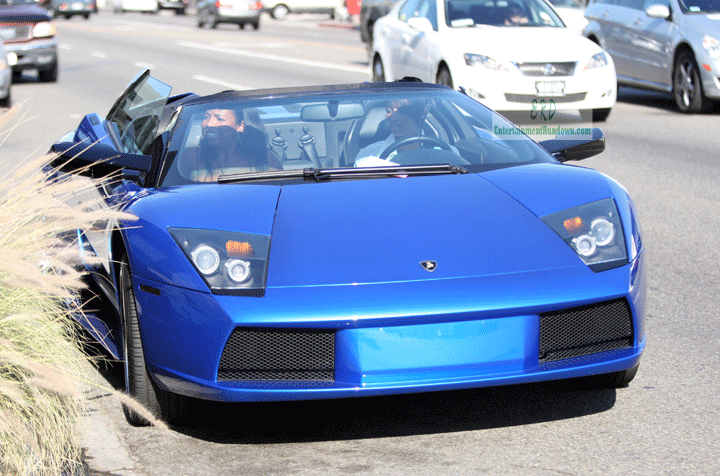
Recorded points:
509,55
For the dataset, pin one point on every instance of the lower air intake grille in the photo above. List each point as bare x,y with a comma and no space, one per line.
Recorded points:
279,354
585,330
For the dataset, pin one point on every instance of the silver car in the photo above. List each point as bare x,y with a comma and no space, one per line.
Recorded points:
5,78
665,45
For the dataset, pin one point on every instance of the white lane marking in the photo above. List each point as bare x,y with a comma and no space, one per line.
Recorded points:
140,64
97,54
220,82
270,57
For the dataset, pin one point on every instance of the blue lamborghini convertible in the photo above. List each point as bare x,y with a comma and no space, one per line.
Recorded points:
351,240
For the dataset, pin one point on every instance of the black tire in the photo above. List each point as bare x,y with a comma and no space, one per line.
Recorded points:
201,19
7,101
138,384
213,20
279,12
378,71
49,75
241,26
256,24
687,86
137,381
443,77
601,115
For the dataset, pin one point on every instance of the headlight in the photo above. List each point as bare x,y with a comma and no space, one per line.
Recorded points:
594,231
712,45
597,61
483,61
230,263
43,30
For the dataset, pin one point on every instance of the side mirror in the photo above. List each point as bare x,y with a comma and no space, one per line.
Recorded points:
573,149
420,24
96,160
657,10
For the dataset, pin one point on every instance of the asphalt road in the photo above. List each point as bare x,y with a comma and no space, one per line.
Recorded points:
664,423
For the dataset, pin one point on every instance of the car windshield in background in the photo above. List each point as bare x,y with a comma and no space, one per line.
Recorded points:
700,6
440,127
464,13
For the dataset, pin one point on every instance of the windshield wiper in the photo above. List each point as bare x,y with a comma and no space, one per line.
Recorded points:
319,175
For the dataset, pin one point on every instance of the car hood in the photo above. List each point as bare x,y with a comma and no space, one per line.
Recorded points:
23,13
522,43
376,231
703,24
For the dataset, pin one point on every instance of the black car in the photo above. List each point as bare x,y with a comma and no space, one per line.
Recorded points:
29,38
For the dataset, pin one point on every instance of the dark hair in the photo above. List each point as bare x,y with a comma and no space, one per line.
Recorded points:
253,145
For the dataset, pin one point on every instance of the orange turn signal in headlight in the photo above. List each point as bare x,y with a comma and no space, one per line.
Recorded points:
574,226
238,249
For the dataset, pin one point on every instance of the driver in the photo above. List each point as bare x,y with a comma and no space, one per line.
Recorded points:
228,146
405,118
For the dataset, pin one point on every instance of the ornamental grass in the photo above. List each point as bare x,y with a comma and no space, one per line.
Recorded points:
43,369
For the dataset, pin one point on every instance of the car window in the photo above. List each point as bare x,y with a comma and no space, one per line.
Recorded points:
700,6
409,10
468,13
334,131
634,4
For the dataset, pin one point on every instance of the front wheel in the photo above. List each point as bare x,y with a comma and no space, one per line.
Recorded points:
444,78
378,71
687,86
49,75
279,12
138,384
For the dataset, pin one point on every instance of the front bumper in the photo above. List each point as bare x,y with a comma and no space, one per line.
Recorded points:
512,91
463,333
36,54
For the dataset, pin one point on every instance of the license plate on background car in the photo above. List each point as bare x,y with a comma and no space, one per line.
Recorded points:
550,88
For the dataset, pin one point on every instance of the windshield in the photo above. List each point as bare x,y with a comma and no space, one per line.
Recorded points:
364,131
700,6
511,13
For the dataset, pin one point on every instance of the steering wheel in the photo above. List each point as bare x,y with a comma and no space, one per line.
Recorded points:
411,140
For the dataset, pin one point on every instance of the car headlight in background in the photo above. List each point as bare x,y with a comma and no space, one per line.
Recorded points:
712,45
594,231
230,263
598,60
44,29
483,61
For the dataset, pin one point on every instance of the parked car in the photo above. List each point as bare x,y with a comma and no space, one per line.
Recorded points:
5,78
240,12
29,38
663,45
465,256
279,9
178,6
144,6
572,13
506,65
70,8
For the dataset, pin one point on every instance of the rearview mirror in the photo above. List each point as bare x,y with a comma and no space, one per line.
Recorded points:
573,149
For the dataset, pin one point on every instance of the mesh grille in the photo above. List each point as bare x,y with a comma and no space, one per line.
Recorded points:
279,354
547,69
585,330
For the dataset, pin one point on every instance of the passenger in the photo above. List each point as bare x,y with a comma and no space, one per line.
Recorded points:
516,15
405,118
228,146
